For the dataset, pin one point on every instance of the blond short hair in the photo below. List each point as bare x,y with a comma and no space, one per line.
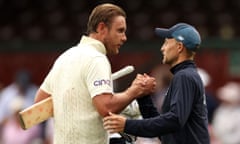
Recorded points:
103,13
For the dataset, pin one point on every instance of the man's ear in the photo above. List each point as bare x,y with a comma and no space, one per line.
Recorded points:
101,28
180,47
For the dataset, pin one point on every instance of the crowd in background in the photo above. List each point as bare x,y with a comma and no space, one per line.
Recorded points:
66,20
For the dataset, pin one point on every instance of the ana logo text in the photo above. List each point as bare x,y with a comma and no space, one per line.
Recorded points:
101,82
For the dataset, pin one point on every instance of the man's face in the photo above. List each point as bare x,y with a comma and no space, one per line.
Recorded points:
170,51
116,35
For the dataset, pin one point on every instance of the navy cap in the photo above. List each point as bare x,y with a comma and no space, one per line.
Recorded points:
182,32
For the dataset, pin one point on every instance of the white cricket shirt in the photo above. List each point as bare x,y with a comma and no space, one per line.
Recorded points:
78,75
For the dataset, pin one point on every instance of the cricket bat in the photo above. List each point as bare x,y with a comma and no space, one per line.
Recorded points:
43,110
36,113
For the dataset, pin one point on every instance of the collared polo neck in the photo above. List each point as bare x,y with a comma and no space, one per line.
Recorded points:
182,65
98,45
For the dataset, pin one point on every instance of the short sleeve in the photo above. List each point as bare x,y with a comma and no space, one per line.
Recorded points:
98,76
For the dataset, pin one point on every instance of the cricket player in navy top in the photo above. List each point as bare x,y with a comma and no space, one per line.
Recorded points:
183,119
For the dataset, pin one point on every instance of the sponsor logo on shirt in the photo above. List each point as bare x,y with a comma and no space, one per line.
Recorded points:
102,82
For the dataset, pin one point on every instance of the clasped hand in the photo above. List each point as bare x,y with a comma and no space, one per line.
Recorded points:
114,123
143,85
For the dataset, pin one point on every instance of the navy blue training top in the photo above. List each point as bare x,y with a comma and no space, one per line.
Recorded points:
183,119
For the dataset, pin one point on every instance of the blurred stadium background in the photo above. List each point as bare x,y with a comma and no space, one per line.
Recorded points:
34,32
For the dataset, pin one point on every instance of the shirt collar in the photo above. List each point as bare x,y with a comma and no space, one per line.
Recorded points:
183,65
98,45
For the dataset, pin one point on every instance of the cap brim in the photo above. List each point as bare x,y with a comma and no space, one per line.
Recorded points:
163,33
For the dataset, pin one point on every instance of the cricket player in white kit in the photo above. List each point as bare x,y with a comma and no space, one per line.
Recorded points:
80,82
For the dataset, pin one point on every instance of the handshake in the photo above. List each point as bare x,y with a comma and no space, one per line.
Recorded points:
142,85
41,111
